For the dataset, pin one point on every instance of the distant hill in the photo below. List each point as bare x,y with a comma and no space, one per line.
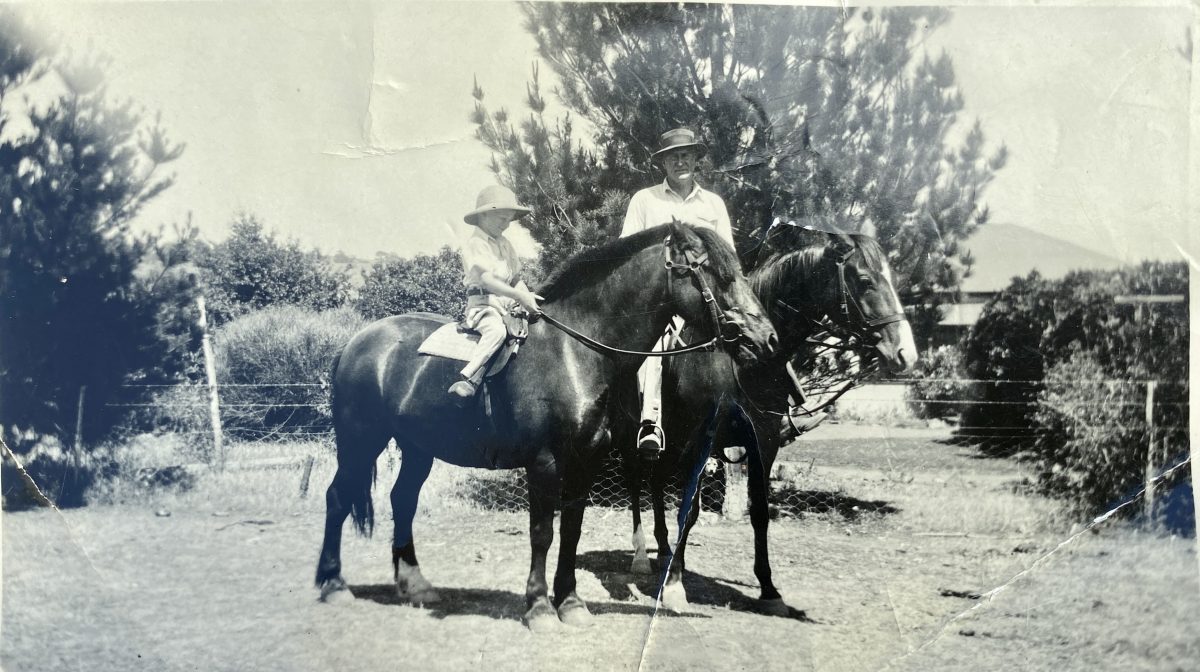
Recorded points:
1004,251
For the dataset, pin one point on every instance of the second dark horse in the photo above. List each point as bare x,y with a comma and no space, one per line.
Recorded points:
843,278
549,406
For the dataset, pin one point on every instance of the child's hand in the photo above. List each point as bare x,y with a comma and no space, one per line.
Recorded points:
529,301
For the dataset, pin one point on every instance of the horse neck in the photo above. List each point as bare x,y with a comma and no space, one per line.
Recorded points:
788,287
628,308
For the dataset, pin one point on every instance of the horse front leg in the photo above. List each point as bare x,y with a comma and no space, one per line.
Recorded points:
572,610
410,583
761,457
544,490
673,596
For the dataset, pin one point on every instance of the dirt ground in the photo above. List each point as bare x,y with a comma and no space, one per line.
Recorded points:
887,572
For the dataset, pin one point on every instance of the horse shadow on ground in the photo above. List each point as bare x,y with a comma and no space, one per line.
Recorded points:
612,568
790,501
501,605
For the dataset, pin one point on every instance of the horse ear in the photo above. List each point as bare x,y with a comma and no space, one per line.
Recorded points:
841,245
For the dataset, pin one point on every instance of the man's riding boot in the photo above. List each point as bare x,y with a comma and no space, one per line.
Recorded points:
650,441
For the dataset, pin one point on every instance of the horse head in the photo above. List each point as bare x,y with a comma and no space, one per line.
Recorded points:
861,300
711,293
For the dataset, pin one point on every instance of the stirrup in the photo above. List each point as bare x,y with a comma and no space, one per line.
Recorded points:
650,441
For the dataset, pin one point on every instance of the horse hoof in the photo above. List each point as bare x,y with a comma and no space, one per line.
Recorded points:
774,607
641,565
336,592
574,612
541,617
674,598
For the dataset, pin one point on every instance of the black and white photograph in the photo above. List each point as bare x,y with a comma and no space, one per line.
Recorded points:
598,336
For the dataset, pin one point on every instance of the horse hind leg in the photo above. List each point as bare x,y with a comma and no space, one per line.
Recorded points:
633,481
348,495
411,585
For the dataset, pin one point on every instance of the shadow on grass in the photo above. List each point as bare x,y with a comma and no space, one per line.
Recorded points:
612,568
795,502
501,605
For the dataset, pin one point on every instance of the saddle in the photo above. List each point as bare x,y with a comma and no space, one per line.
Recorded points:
454,340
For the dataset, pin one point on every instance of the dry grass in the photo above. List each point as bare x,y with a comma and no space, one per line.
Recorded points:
224,582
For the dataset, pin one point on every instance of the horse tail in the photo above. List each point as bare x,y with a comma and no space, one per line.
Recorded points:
357,486
355,477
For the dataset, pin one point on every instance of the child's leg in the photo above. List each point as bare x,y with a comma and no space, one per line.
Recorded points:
492,334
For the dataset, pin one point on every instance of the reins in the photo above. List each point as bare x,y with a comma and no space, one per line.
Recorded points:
610,350
693,264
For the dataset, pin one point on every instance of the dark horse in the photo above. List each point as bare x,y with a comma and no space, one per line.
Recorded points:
548,407
845,278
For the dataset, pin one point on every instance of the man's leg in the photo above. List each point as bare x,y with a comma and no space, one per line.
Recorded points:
650,436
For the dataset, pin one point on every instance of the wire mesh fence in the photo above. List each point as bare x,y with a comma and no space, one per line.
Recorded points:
813,476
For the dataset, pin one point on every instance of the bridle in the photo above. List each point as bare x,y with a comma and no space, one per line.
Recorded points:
854,322
728,331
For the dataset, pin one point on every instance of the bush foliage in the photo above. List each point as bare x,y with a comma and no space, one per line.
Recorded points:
1068,363
428,283
273,369
251,270
937,391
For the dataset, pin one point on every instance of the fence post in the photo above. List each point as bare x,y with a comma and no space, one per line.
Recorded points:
736,503
78,448
214,404
1151,461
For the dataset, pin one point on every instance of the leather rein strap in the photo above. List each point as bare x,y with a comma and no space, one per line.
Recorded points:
693,265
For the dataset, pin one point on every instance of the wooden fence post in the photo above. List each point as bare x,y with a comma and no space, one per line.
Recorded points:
214,403
1151,461
736,501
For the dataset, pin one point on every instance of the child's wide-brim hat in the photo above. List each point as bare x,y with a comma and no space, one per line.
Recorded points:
678,138
495,198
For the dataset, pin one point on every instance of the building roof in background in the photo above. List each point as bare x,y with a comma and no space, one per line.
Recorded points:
1004,251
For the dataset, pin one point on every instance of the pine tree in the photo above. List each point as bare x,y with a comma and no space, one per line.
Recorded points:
73,175
811,115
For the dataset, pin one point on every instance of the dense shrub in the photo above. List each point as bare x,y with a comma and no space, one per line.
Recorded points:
61,476
937,391
1085,356
273,367
252,270
424,283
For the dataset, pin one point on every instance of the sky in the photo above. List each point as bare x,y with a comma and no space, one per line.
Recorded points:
346,126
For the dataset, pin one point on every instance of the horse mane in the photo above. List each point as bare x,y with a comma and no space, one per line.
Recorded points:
774,279
595,264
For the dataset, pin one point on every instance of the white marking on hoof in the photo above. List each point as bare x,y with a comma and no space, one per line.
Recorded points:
641,564
674,598
336,593
411,585
541,617
775,607
574,612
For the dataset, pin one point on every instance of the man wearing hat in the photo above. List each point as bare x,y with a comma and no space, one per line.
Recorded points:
492,277
680,198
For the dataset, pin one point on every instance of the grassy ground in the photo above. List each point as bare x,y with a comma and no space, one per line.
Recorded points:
224,581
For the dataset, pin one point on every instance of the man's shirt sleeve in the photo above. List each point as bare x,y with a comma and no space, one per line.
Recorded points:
635,216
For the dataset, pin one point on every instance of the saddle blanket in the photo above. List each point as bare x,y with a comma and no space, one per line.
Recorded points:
447,341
